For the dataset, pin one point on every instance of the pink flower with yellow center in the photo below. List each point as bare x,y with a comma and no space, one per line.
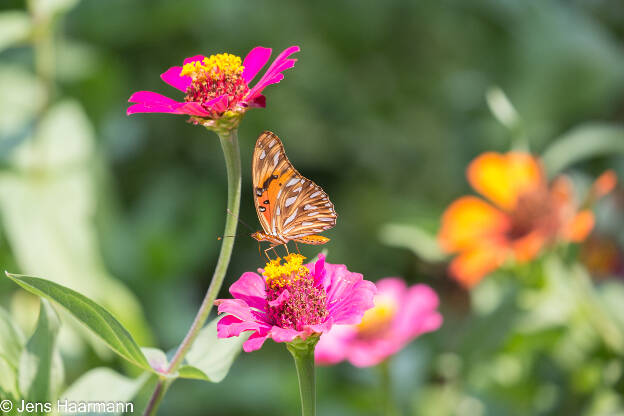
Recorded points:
216,87
526,213
400,314
293,301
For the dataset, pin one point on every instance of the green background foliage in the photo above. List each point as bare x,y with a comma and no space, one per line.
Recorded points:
384,109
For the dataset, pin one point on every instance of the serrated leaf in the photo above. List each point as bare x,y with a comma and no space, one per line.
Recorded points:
40,368
210,357
584,142
92,315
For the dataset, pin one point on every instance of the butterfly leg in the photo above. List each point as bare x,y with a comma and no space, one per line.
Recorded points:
274,251
297,247
267,254
287,252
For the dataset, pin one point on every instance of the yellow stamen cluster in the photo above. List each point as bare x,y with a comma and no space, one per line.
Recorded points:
278,274
214,66
379,316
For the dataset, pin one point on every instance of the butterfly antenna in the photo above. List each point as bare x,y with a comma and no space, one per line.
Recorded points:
239,220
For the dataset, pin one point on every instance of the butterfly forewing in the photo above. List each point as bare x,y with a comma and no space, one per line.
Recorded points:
288,204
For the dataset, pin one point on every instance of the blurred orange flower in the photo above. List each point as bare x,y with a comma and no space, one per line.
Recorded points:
525,214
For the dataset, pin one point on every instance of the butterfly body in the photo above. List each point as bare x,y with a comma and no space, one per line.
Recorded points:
290,207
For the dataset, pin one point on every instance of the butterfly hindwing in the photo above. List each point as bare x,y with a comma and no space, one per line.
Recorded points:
288,204
305,209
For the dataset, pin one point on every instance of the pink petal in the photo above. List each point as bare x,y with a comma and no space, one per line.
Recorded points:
149,97
258,102
418,313
321,277
152,102
218,104
350,310
143,108
193,108
236,307
283,297
333,345
250,287
254,61
194,59
320,328
231,326
172,77
284,334
367,354
254,342
393,287
273,74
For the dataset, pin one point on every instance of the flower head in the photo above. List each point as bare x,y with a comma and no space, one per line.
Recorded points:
526,214
217,88
603,257
400,314
293,300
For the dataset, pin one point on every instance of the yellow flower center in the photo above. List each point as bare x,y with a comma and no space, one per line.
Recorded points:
378,317
278,274
214,67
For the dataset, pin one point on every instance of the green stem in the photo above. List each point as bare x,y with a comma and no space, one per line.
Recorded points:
303,354
229,144
387,399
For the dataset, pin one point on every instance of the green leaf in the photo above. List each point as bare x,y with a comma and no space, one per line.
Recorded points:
96,318
11,338
104,385
413,238
502,108
584,142
210,357
48,217
8,381
40,367
50,8
14,27
156,358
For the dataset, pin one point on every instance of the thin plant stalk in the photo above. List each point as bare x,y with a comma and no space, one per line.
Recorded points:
303,354
229,144
387,399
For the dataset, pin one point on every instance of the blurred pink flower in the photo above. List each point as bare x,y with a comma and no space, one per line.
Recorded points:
293,300
215,85
400,314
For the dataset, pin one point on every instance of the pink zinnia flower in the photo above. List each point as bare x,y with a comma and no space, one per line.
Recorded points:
216,86
400,314
293,300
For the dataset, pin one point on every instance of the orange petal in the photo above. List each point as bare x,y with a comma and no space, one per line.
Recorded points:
468,221
604,184
562,191
579,227
471,266
503,177
528,247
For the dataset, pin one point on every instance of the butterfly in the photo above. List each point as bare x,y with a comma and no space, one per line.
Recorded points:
290,207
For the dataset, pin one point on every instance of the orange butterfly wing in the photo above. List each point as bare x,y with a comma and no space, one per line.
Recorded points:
288,205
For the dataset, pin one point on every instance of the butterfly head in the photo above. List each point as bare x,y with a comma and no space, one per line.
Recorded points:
258,236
